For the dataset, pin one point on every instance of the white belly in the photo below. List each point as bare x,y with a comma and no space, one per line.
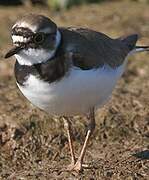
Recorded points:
74,94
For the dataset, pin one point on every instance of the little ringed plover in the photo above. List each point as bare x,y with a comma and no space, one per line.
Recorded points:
68,71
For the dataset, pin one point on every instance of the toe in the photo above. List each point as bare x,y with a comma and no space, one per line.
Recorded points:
77,167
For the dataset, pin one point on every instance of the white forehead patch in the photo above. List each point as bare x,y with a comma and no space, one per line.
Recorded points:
16,38
31,27
25,25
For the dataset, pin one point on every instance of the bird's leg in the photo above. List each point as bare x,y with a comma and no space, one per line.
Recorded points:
67,126
91,126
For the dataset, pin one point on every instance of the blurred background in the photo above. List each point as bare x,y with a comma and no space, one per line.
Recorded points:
34,146
58,4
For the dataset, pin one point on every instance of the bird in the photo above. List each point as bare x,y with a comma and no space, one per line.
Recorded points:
68,71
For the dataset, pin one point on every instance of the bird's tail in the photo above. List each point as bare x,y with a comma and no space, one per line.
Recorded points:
130,41
141,48
138,49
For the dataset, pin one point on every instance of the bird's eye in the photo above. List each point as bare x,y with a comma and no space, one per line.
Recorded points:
39,38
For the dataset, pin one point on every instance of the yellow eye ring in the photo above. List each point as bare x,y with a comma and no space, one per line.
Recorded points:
39,38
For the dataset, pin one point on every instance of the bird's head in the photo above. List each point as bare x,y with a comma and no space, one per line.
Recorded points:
35,39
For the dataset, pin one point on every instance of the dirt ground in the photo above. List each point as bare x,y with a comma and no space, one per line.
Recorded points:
34,146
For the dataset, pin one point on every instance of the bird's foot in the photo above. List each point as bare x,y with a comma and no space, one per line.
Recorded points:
70,166
78,167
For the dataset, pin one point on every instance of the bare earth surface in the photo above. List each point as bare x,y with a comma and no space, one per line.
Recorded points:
34,146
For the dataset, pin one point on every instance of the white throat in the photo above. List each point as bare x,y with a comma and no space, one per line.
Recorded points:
34,56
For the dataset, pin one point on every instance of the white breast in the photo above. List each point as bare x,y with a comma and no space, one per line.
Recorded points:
75,93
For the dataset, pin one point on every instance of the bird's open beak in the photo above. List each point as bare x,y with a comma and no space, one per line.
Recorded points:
13,51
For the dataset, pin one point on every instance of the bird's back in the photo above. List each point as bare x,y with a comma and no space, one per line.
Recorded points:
93,49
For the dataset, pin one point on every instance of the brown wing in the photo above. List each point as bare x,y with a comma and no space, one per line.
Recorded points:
91,49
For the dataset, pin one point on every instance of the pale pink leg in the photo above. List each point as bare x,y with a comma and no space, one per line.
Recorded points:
67,126
79,164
